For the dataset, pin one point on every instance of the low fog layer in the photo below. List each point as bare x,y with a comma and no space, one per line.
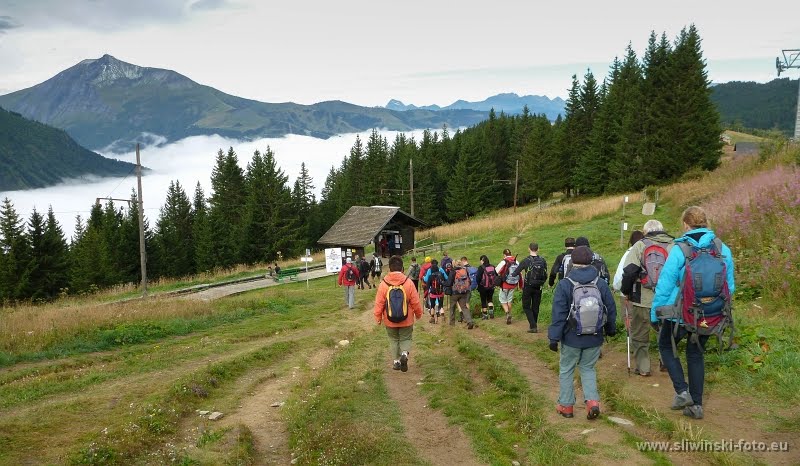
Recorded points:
188,161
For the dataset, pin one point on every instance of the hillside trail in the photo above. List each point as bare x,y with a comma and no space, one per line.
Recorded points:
726,417
597,434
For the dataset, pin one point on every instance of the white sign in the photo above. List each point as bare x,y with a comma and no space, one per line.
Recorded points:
333,260
308,252
306,259
625,226
626,200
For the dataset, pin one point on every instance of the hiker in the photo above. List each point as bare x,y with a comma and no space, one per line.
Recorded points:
711,266
435,278
636,235
640,275
446,261
384,246
375,267
584,312
397,306
363,270
460,284
536,275
508,281
597,260
269,271
277,269
413,272
348,277
390,245
422,271
562,261
485,277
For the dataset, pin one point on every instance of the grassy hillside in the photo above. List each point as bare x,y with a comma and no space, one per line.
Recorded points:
484,396
34,155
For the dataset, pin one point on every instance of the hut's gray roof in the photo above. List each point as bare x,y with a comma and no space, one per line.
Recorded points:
359,225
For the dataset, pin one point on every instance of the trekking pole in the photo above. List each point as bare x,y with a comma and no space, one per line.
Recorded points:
625,304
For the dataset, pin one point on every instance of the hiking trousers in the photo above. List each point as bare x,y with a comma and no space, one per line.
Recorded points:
462,301
350,296
640,337
585,360
531,299
695,361
399,340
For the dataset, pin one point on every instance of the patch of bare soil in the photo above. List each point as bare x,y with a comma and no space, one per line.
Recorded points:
428,430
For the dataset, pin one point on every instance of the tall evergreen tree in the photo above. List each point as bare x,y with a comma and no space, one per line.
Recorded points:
203,247
15,250
226,209
175,235
471,182
590,172
56,254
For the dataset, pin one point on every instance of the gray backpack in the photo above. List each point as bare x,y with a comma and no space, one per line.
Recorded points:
588,314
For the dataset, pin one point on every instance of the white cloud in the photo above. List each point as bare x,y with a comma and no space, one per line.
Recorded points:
189,161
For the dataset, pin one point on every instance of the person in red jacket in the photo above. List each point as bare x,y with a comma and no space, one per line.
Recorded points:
397,306
510,281
348,277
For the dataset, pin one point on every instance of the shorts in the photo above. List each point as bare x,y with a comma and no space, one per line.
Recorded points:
506,296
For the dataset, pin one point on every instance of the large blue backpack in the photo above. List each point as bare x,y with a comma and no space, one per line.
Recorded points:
396,302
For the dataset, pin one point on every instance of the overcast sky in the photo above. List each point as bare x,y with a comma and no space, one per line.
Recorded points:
367,52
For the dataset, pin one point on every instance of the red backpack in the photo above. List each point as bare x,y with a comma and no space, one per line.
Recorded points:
489,274
653,259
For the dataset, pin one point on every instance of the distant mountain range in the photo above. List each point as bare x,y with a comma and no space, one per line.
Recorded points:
769,105
109,104
34,155
510,103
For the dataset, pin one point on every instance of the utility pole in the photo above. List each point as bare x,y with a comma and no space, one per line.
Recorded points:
411,183
516,182
791,59
142,252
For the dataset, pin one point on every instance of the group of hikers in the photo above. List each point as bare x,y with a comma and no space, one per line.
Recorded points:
680,287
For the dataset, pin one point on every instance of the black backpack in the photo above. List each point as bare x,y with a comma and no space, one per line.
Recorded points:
350,275
537,272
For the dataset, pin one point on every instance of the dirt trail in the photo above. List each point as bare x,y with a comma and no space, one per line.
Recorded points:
726,417
237,288
542,379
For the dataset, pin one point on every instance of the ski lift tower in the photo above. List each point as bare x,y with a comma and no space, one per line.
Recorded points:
791,59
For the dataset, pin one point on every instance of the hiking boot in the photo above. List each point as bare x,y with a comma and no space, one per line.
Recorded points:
484,316
682,400
404,362
433,320
508,318
396,365
592,409
460,317
491,311
565,411
491,315
533,330
470,326
694,411
643,374
661,366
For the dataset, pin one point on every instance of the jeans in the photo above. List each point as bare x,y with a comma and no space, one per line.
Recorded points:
695,361
350,296
585,359
399,340
531,299
462,301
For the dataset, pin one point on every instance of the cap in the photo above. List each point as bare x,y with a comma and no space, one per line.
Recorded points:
569,242
582,241
349,260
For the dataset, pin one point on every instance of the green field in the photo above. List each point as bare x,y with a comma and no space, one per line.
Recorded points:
130,389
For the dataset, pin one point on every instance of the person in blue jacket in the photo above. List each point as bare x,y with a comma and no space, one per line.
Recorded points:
688,397
435,297
581,351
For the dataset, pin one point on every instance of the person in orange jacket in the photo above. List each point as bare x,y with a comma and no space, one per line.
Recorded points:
348,277
397,307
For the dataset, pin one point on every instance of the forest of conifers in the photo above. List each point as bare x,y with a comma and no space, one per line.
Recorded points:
649,121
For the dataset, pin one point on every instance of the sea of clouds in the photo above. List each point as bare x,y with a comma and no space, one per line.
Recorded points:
188,161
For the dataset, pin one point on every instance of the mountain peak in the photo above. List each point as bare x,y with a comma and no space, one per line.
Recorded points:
109,69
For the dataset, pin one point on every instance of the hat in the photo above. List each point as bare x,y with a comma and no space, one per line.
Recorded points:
427,258
582,255
569,242
582,241
349,260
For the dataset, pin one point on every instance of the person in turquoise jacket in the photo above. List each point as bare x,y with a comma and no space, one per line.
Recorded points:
688,396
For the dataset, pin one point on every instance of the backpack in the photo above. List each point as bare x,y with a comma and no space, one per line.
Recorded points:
602,269
566,264
435,285
706,306
350,275
587,314
489,276
446,262
414,272
537,272
378,264
508,278
473,277
396,302
461,281
653,259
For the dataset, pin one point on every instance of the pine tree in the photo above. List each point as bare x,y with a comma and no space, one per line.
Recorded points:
15,250
569,142
304,205
57,254
628,169
590,172
226,209
657,120
203,253
471,182
174,234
